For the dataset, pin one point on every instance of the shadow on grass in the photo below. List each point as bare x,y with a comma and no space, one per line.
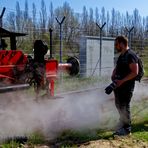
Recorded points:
140,131
70,138
140,127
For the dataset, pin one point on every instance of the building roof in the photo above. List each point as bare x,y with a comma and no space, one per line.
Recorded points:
6,33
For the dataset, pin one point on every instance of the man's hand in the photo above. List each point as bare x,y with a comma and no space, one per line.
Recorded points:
119,82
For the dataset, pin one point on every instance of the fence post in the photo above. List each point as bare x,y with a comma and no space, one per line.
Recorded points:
129,35
60,23
50,33
1,20
101,28
1,17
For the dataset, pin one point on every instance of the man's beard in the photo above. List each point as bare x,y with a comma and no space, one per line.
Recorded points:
119,50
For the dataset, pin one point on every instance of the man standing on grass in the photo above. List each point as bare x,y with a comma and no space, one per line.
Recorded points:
124,76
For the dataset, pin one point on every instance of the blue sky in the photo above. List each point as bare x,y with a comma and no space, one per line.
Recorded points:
77,5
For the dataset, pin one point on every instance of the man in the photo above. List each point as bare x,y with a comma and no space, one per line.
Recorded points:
40,49
124,76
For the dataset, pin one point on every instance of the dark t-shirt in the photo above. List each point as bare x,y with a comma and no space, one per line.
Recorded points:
123,69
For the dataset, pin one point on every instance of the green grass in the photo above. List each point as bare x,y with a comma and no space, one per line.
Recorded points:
70,138
36,138
69,83
140,119
145,62
11,144
140,131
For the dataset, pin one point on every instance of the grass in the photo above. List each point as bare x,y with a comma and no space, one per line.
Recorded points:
72,138
145,61
33,139
69,83
75,139
140,120
11,144
36,138
140,131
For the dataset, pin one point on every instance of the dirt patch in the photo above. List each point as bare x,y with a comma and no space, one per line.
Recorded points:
124,142
118,142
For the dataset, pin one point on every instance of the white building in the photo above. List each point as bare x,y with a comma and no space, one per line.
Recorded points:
96,59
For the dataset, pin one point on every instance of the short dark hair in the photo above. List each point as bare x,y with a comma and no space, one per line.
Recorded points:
122,39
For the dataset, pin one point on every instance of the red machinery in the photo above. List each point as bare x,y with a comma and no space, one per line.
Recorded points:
52,68
19,71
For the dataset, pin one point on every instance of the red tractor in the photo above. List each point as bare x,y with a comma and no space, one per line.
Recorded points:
19,71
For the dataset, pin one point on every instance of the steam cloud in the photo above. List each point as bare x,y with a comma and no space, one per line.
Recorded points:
20,114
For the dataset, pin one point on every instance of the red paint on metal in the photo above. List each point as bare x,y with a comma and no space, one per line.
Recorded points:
51,73
51,69
52,87
11,60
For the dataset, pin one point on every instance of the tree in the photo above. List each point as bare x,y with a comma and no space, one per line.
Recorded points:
113,19
43,17
51,16
103,19
91,23
107,23
18,17
11,21
26,17
84,24
34,20
75,24
97,20
136,22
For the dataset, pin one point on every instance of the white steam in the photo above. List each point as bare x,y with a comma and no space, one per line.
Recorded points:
20,114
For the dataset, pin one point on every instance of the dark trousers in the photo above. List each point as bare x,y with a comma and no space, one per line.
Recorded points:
122,102
39,73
